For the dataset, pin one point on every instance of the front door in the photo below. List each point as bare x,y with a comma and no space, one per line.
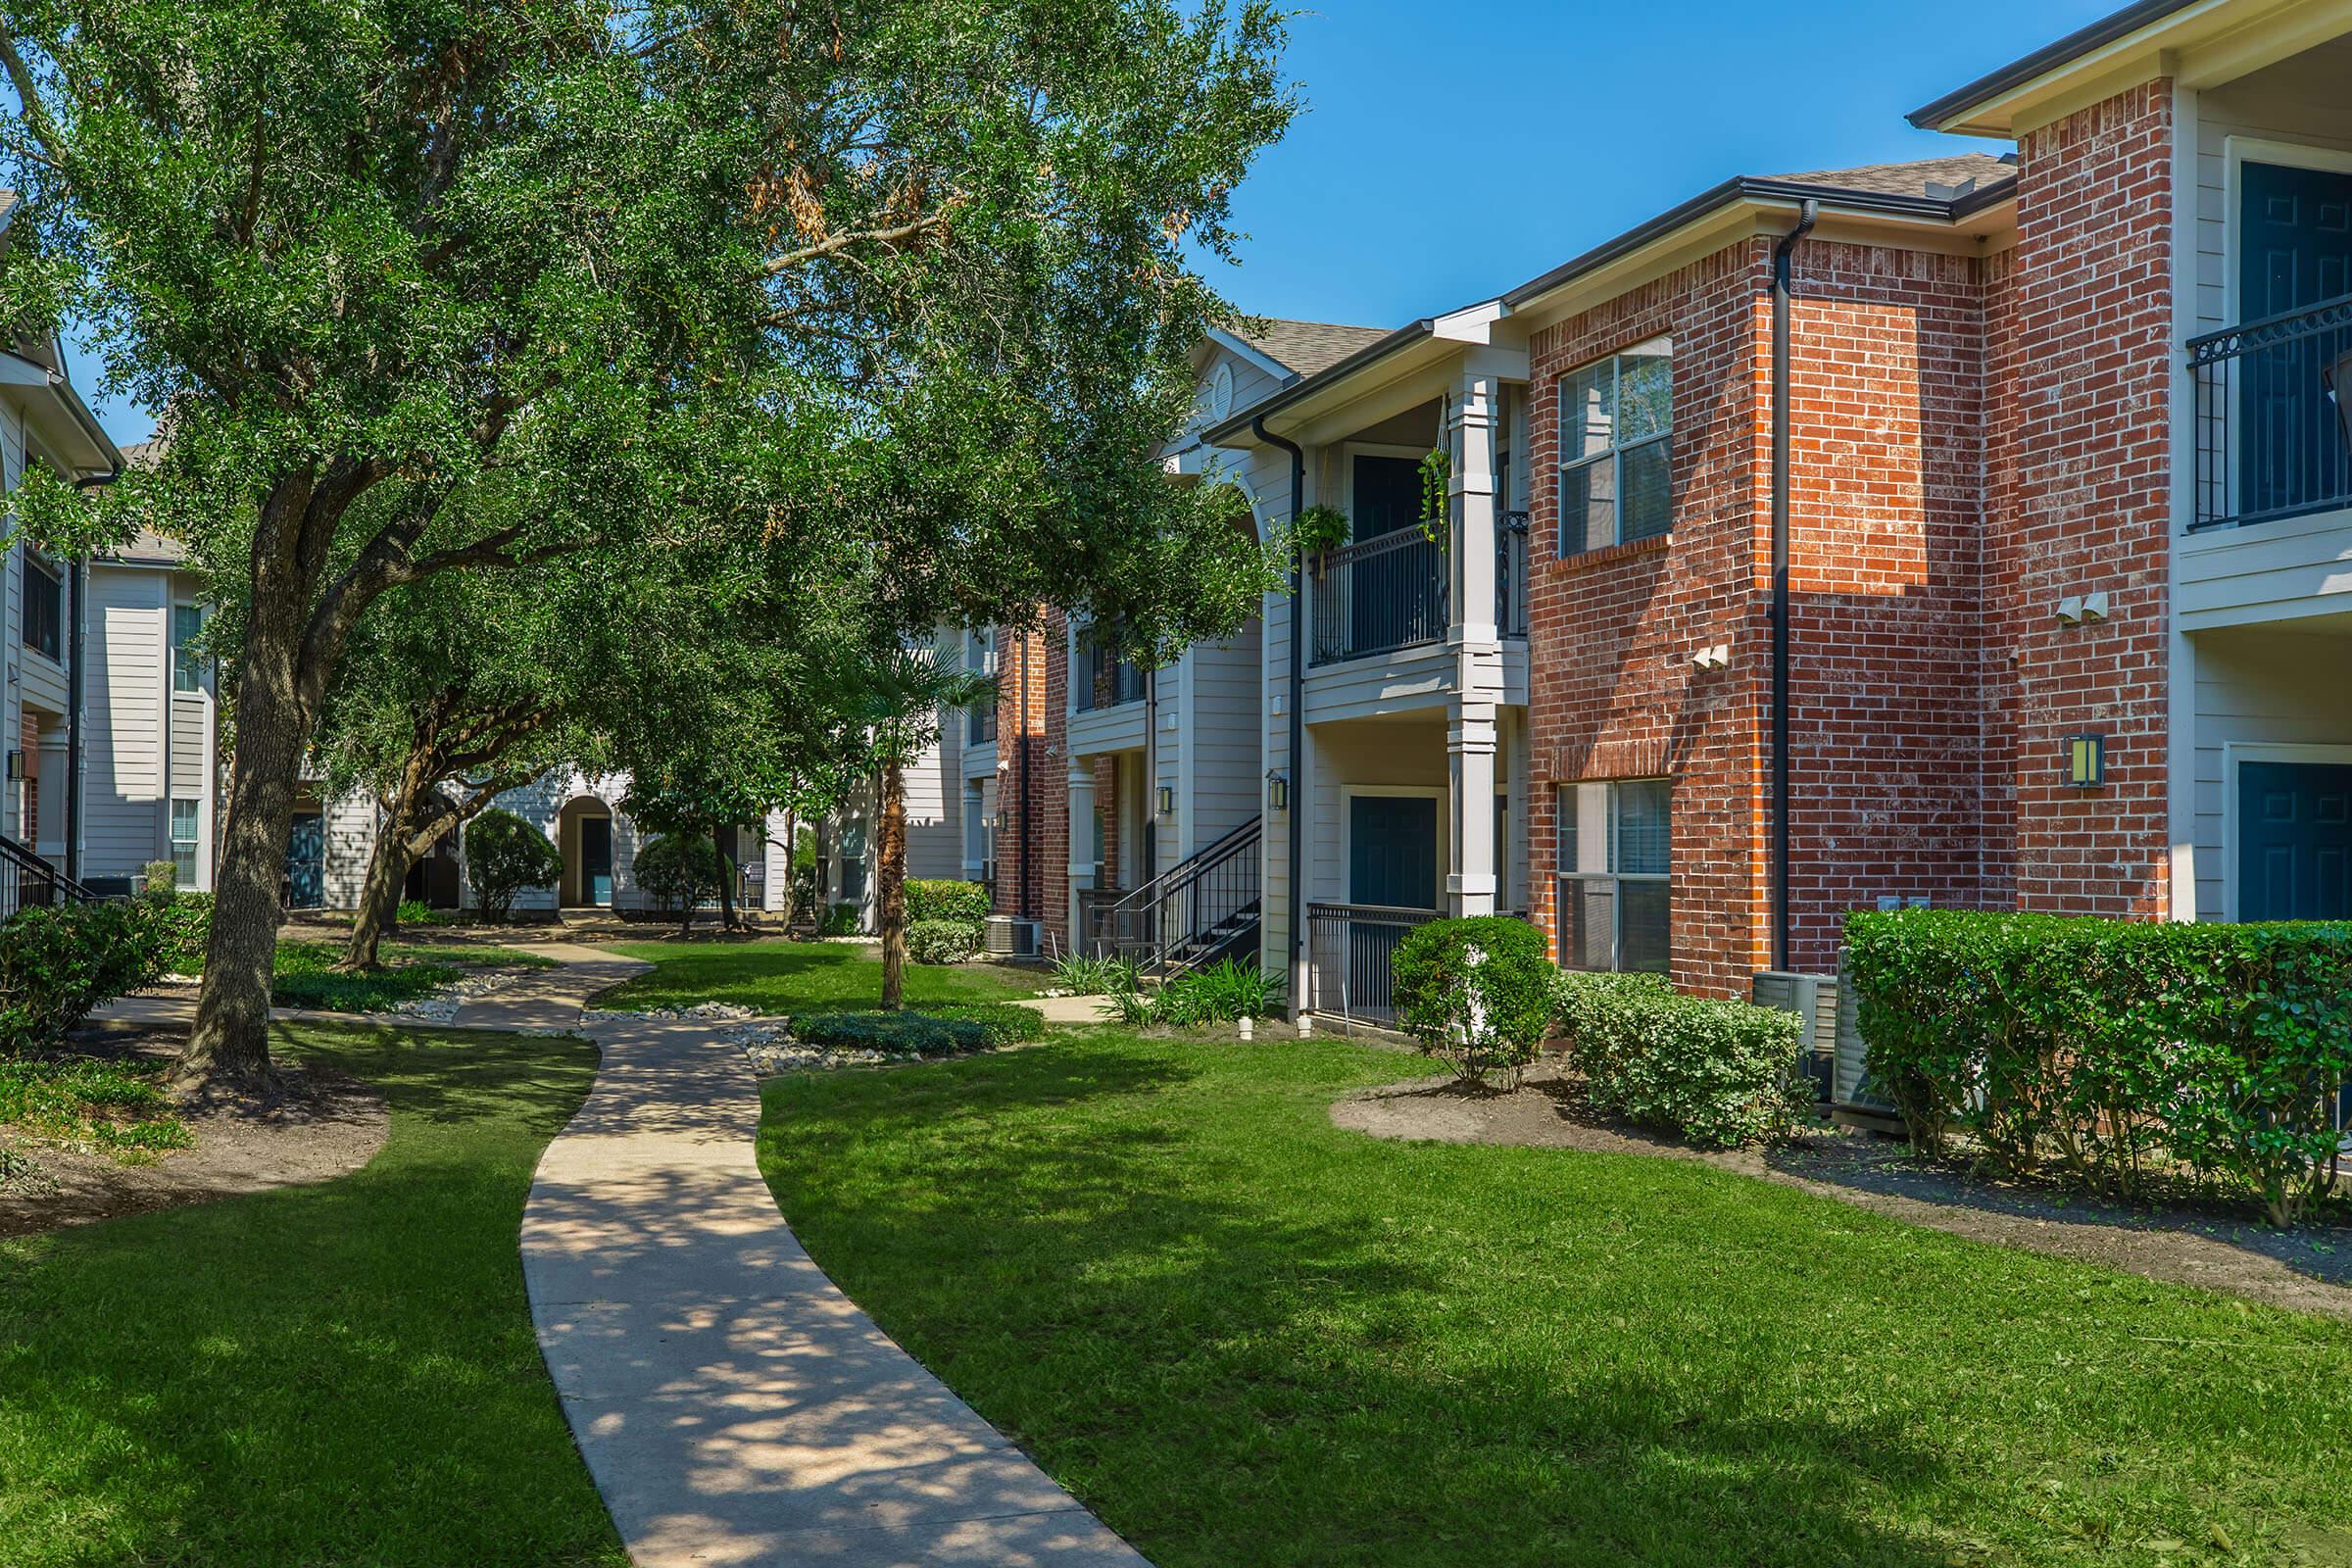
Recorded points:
2294,841
2295,250
596,861
306,862
1394,594
1392,865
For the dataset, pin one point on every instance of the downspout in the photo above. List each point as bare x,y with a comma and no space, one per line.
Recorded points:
1782,255
76,575
1297,692
1027,904
1151,857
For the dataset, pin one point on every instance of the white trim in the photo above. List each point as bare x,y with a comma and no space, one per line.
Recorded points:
1349,793
2236,152
1349,451
2232,753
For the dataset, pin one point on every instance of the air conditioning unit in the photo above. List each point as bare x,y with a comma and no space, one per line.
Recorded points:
1008,937
1814,998
1853,1099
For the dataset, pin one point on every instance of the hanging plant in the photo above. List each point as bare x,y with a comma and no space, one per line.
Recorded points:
1319,528
1437,468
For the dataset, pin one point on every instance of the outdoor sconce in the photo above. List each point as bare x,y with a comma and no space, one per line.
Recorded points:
1277,789
2087,762
16,765
1167,801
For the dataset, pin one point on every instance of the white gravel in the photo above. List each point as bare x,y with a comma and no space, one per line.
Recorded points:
704,1011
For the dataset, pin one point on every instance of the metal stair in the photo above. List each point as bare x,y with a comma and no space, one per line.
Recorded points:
28,882
1204,907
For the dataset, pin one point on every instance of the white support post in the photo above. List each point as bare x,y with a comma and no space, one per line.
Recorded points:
1474,641
1082,838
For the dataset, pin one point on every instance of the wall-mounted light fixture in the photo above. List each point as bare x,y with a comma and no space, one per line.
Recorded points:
1167,801
16,765
1277,789
2087,762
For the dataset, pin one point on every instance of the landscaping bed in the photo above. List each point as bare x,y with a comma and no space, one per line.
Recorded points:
774,977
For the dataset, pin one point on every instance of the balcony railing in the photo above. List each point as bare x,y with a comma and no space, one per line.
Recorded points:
980,724
1510,575
1351,949
2274,431
1378,596
1107,679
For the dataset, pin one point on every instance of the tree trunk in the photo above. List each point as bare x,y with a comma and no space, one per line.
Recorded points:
890,885
727,920
380,904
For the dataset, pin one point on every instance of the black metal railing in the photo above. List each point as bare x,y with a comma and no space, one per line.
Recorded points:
1198,911
1351,952
28,882
1378,596
2273,430
980,724
1107,678
1510,575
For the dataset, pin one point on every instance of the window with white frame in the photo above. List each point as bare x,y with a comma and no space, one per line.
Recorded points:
1614,865
1616,449
184,840
187,669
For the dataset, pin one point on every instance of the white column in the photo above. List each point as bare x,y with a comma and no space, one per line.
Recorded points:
1082,840
1475,644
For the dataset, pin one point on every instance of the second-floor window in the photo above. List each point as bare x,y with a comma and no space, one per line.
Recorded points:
44,605
1616,449
188,667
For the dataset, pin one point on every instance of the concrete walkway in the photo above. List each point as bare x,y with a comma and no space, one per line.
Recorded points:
732,1404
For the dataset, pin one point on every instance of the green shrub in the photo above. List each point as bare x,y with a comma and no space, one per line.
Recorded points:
678,870
942,940
119,1108
1475,993
947,1032
1219,994
57,964
183,931
930,899
159,880
304,976
1109,975
841,920
503,856
2097,1049
1718,1072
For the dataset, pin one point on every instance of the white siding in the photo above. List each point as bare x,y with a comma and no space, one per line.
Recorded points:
124,822
1389,754
1223,784
2245,111
2258,686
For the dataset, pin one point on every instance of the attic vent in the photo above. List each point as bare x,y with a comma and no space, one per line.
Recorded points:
1939,191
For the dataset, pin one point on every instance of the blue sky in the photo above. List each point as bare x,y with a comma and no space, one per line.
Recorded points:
1452,148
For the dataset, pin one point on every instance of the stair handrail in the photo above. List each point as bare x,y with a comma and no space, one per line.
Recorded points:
1191,869
28,865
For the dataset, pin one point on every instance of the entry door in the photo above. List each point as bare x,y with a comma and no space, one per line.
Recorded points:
2294,841
306,862
596,859
1392,851
1393,595
2295,250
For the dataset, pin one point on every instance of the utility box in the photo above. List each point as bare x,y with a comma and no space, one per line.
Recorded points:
1814,998
1006,936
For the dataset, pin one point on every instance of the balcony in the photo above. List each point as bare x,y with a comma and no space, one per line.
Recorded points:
980,724
1107,678
1375,597
2273,432
1510,575
1350,953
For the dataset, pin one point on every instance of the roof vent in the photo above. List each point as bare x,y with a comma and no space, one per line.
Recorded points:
1939,191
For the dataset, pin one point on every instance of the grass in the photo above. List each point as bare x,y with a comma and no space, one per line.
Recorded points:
112,1107
336,1374
1247,1337
306,976
777,976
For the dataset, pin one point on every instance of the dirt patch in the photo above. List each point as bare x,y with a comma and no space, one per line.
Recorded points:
2309,1269
311,1126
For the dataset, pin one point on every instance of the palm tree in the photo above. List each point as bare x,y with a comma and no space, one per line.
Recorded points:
909,694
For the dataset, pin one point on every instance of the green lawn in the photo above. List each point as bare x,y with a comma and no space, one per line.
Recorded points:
782,978
338,1374
1247,1337
306,974
114,1107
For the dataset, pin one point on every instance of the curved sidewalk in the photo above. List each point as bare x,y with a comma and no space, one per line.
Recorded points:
732,1404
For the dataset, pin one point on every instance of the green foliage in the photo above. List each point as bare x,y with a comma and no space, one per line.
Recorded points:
926,1034
1437,475
118,1108
1475,993
1223,993
1090,975
159,880
417,913
942,940
1718,1072
1318,528
2099,1049
503,856
841,920
679,869
185,929
57,964
304,976
932,898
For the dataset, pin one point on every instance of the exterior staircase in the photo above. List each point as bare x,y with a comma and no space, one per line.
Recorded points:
1204,909
28,882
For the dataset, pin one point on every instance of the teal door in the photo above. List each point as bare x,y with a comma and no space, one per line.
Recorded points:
596,861
305,863
2295,250
1392,851
2294,841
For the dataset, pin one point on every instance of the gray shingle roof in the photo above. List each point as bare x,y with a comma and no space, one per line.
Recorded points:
1913,178
1306,347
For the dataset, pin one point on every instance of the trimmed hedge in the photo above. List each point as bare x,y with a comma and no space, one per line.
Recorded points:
57,964
184,930
1717,1072
942,940
1475,993
932,898
931,1034
2097,1049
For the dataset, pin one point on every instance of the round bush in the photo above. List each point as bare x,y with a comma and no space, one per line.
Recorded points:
1476,994
1722,1073
678,868
932,898
942,940
505,855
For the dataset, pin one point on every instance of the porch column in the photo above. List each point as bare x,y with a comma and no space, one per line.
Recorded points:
1475,644
1082,838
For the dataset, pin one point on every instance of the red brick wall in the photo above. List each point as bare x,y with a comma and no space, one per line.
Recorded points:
2077,494
1032,802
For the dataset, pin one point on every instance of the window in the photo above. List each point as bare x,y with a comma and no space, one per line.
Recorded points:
1614,860
44,609
188,667
183,841
1616,442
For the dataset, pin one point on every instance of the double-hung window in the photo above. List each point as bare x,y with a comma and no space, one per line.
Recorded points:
184,842
1616,449
1614,861
187,669
44,616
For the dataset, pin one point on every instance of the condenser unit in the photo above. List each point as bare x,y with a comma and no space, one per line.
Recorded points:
1814,998
1010,937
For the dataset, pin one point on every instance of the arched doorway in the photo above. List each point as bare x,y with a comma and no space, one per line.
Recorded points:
584,838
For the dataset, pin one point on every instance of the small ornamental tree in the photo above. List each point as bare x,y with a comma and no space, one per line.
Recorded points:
680,868
1476,994
503,856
